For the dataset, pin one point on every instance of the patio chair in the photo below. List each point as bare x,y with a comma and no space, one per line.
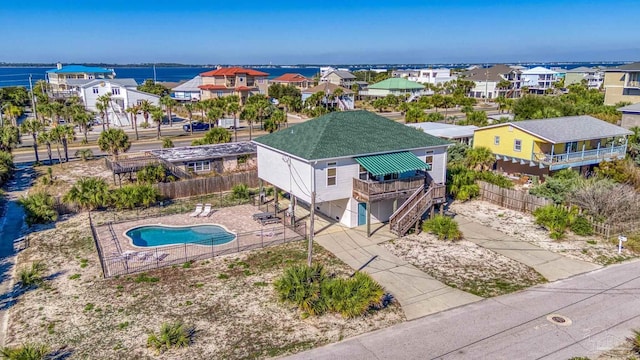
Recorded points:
161,256
197,211
207,211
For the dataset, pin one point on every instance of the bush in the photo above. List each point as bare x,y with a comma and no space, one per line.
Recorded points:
25,352
31,276
444,227
152,174
132,196
167,143
559,186
635,341
461,181
170,335
6,166
581,226
39,208
84,154
240,192
555,219
315,293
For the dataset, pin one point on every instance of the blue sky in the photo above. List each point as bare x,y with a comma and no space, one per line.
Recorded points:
293,32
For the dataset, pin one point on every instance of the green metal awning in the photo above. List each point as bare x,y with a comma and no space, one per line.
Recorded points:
393,163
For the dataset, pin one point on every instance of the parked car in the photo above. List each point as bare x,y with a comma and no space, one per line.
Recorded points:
197,126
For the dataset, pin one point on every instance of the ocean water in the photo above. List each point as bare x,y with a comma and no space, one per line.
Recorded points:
19,76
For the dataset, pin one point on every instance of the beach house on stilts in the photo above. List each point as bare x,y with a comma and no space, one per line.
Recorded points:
357,168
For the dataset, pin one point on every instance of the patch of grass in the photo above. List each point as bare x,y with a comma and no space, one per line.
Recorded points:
199,285
187,265
260,284
84,263
187,303
89,307
31,276
608,260
51,328
74,277
223,276
247,272
123,325
592,242
27,351
143,277
445,228
170,335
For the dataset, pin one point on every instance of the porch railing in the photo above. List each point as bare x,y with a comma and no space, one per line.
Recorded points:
601,153
378,190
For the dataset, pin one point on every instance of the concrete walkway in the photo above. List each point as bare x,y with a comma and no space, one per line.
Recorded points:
551,265
418,293
599,310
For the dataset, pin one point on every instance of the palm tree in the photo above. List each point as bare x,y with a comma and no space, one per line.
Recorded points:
68,134
55,136
287,101
146,107
88,193
103,103
9,137
157,115
82,118
278,117
33,127
169,103
233,108
44,138
190,107
133,113
214,136
13,112
249,114
114,142
479,158
213,115
336,95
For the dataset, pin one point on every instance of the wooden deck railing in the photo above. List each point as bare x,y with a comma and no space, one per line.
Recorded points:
365,190
412,210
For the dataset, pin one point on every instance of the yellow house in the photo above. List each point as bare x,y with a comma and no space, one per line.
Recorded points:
622,84
539,147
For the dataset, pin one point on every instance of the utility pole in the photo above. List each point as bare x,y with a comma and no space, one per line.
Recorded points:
313,209
33,98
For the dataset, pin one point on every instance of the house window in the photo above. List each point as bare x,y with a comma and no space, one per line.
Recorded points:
496,140
364,174
242,159
197,166
115,91
429,159
219,94
332,172
517,145
95,90
139,102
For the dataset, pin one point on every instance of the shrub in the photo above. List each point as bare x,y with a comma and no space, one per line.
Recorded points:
581,226
89,193
25,352
145,125
607,200
167,143
6,166
444,227
31,276
170,335
240,192
39,208
355,296
461,181
302,285
635,341
555,219
132,196
84,154
152,174
559,186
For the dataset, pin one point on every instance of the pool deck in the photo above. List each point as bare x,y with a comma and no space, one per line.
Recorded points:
120,256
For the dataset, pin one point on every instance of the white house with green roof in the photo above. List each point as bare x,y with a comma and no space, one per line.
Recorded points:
362,167
394,86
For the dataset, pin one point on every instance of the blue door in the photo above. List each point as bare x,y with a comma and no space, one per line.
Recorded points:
362,214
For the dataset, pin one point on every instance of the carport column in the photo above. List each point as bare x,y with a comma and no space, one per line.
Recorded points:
368,219
395,205
275,199
260,192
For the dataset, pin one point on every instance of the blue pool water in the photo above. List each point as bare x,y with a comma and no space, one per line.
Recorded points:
158,235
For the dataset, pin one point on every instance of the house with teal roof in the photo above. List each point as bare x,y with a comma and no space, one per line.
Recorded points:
394,86
357,168
65,77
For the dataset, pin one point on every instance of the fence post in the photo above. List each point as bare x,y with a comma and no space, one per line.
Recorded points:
261,238
157,260
185,252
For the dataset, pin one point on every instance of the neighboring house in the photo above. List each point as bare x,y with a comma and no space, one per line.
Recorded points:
622,84
540,147
124,94
339,77
425,76
630,116
233,81
539,79
487,81
188,91
218,158
343,102
296,80
394,86
362,168
463,134
59,77
593,77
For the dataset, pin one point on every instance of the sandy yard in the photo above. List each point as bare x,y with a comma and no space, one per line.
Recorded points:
230,300
65,175
464,265
522,226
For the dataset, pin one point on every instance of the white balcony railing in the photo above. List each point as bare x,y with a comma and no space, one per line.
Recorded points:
602,153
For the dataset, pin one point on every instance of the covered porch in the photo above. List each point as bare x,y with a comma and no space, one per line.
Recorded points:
579,152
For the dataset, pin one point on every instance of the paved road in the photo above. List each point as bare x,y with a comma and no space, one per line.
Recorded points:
600,309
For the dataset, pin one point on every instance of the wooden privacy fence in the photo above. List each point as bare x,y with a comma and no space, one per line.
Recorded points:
207,185
510,198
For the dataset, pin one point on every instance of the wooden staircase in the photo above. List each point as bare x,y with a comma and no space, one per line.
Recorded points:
416,205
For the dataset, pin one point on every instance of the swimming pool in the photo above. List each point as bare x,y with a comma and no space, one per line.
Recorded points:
159,235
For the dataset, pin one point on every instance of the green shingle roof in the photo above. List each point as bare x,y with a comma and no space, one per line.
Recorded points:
392,163
396,84
347,133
